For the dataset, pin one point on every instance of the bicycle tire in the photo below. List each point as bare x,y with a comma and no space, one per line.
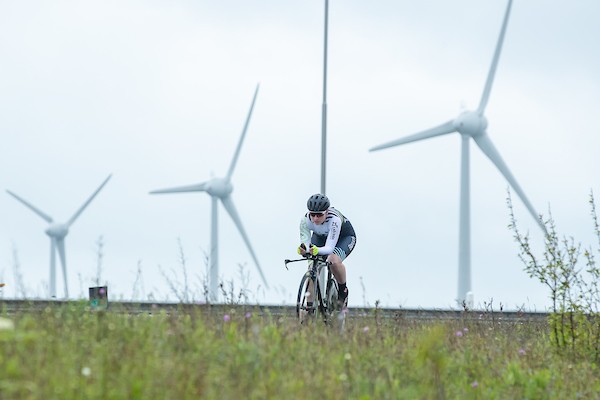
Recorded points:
302,309
336,316
332,294
332,297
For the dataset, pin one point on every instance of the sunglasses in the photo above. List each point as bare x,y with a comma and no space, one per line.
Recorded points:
315,214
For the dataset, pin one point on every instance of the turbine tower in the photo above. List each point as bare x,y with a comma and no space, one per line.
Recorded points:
57,232
471,125
220,189
324,105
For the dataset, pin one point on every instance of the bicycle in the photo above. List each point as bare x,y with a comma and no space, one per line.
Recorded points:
317,276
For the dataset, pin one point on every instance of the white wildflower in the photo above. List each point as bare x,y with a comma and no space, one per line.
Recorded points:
6,324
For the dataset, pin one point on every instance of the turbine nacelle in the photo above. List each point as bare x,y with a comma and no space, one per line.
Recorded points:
219,187
471,123
57,231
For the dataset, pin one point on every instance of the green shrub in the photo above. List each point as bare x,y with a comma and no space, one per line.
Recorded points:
574,290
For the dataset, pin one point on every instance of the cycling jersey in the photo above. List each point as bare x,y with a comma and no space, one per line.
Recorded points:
335,235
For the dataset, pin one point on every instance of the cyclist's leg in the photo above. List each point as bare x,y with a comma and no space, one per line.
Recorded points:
344,247
338,269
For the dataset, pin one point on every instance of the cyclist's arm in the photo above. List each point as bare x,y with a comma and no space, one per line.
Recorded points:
304,231
333,236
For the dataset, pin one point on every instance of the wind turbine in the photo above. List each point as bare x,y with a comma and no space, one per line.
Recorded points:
57,232
220,189
471,125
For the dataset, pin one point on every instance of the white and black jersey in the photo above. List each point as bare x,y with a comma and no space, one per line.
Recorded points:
335,235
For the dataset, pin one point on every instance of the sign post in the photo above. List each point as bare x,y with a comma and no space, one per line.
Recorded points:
99,297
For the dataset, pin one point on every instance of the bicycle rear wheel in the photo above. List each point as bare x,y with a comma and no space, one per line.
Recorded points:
307,293
332,297
336,317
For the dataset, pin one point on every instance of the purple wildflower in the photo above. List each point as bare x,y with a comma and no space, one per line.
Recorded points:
248,314
474,385
226,318
522,352
458,333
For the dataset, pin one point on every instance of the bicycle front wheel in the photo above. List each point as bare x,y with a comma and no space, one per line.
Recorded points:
307,303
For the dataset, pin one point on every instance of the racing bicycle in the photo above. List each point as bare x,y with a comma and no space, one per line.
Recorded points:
318,291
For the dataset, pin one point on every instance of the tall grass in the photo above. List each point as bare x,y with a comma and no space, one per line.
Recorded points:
574,290
70,352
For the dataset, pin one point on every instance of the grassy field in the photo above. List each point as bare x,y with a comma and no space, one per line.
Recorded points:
70,352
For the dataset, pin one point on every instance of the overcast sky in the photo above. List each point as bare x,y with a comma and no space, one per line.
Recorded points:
157,92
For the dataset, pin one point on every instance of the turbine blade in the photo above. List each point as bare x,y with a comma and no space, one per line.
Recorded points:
46,217
490,79
200,187
228,204
239,146
74,217
488,148
443,129
60,246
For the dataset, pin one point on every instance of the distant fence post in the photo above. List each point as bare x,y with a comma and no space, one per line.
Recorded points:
99,297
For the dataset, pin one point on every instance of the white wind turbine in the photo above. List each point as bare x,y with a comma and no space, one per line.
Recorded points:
220,189
57,232
471,125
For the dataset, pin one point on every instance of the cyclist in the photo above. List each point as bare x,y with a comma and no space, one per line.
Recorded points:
332,235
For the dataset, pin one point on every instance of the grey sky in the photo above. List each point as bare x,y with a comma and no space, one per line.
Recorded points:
157,93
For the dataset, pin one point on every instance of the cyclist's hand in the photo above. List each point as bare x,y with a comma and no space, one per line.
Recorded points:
302,249
314,250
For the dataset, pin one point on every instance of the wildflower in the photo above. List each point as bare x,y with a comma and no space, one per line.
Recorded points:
248,314
343,377
458,333
474,385
86,371
522,352
465,330
6,324
347,357
226,318
366,329
102,290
